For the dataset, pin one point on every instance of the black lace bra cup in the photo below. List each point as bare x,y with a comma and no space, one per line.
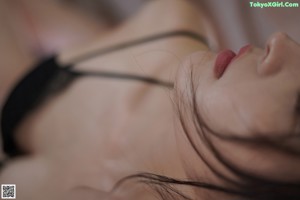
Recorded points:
48,78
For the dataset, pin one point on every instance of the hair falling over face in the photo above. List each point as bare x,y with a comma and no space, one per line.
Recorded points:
248,186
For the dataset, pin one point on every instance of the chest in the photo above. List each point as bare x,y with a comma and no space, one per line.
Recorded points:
102,115
100,124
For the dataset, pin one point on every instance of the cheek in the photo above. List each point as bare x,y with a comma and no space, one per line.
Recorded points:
245,113
221,111
260,161
266,117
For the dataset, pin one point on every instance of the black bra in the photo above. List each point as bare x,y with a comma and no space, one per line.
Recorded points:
48,78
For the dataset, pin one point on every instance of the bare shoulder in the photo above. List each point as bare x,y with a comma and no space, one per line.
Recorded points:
156,16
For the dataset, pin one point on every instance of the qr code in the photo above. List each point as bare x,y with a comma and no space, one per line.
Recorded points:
8,191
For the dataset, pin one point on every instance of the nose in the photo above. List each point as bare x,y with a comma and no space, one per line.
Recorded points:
277,52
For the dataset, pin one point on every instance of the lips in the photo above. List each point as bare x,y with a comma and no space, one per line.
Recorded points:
222,61
243,50
224,58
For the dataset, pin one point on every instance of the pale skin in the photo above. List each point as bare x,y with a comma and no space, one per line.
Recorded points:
84,140
30,29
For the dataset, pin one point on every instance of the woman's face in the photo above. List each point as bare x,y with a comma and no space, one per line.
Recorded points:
257,95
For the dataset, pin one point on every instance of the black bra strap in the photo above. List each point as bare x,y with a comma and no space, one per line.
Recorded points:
179,33
102,51
49,78
115,75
